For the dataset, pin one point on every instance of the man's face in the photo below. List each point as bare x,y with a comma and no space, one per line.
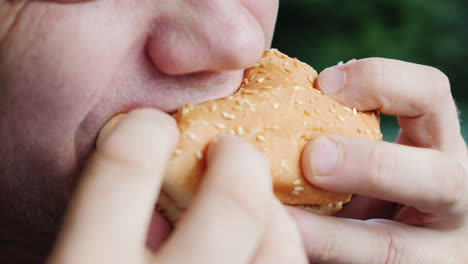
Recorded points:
67,67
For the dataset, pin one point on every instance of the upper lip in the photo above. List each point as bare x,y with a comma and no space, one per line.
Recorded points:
90,126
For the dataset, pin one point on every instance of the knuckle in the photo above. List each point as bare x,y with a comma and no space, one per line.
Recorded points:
441,82
325,251
256,211
454,197
393,249
374,66
380,166
440,91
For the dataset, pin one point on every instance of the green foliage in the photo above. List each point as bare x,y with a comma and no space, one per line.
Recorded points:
431,32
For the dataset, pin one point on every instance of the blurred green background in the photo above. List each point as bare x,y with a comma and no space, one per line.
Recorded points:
431,32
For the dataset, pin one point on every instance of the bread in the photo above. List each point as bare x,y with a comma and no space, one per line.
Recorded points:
278,109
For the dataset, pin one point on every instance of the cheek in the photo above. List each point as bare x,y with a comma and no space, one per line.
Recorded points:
54,65
57,60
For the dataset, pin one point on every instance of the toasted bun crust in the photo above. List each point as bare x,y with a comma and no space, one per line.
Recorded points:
277,109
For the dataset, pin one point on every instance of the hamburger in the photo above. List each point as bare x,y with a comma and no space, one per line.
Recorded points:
278,108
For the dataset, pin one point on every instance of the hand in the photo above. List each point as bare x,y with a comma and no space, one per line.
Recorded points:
234,219
425,172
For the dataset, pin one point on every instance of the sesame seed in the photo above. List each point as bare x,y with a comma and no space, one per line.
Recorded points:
185,110
283,56
298,188
199,154
299,102
295,192
296,63
267,87
191,135
317,111
285,63
347,108
240,131
260,138
252,77
310,79
272,127
305,123
256,65
297,87
296,182
229,97
249,91
248,102
358,130
263,64
232,132
332,110
276,105
284,166
228,116
260,80
307,113
377,131
177,152
354,111
213,108
287,70
239,102
252,109
341,118
246,81
367,131
238,108
270,78
220,126
262,71
277,53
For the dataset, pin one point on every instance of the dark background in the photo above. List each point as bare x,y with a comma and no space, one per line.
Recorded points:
431,32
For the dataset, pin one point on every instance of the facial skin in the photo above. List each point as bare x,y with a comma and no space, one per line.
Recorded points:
67,67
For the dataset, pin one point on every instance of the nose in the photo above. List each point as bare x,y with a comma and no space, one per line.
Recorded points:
205,35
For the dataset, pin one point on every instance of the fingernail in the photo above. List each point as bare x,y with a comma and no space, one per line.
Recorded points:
107,129
331,80
324,157
141,137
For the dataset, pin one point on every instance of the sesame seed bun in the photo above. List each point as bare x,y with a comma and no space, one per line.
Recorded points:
278,109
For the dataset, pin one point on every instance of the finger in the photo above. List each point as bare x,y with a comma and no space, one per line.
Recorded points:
158,231
108,218
426,179
339,240
419,95
282,242
228,217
